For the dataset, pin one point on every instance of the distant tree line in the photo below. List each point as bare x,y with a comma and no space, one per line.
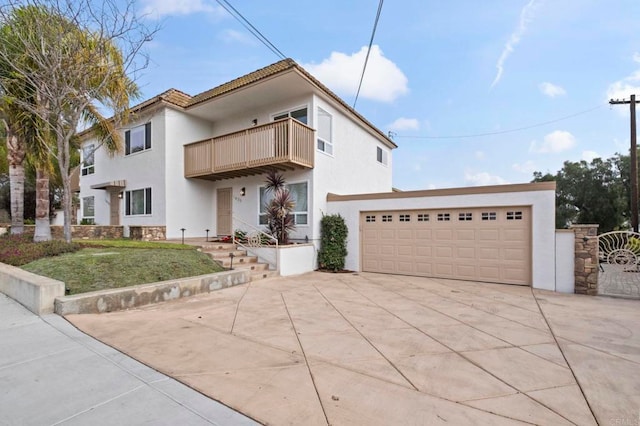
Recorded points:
596,192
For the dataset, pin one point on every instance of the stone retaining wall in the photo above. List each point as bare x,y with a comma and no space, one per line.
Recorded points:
93,232
145,294
148,233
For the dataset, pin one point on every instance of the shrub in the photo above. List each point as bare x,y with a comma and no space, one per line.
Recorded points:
333,243
279,219
18,250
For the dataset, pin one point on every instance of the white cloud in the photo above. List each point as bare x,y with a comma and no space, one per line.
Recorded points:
483,178
233,36
526,16
159,8
622,89
383,80
556,141
404,124
480,155
528,167
551,90
589,156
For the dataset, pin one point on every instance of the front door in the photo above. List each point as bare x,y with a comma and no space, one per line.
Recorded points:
114,208
224,211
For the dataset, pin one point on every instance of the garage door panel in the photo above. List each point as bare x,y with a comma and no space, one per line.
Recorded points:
386,234
466,253
405,267
465,235
387,250
488,253
404,234
444,234
444,252
494,246
424,252
515,254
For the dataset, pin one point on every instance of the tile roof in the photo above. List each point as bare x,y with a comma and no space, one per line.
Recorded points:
182,100
252,77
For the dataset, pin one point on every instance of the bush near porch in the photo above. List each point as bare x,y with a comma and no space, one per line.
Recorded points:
333,243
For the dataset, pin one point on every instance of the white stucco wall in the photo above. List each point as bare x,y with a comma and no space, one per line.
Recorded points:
352,169
140,170
542,204
565,261
189,202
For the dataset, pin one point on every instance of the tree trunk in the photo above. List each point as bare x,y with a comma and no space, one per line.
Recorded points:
15,155
63,165
43,223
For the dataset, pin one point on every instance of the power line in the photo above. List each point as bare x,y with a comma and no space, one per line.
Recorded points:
364,68
253,30
518,129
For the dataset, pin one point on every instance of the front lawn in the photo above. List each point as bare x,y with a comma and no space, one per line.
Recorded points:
102,264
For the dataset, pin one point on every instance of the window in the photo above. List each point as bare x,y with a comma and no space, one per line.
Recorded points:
381,155
299,194
465,217
324,128
423,217
387,218
489,216
137,139
88,208
370,218
405,218
87,160
514,215
444,217
298,114
138,202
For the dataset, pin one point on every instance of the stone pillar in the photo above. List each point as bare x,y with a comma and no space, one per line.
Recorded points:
586,259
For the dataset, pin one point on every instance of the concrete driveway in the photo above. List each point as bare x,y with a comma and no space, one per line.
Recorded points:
382,349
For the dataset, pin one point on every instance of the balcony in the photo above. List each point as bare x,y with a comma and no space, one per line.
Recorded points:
281,145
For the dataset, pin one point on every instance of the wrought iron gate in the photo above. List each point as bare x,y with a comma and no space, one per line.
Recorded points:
619,264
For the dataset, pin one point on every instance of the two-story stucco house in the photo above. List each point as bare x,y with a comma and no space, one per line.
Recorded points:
199,162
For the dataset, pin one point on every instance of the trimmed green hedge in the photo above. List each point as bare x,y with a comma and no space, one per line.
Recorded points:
333,243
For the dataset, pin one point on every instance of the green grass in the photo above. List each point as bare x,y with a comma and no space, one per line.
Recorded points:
126,243
117,265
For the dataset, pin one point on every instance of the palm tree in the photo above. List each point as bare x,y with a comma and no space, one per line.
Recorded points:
66,70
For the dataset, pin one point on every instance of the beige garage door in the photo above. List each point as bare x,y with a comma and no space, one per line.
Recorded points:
478,244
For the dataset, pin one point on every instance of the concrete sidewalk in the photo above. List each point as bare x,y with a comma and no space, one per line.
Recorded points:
377,349
53,374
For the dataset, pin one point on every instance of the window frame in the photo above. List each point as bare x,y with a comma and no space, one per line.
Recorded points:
319,140
382,156
146,139
147,202
295,214
286,113
85,206
88,169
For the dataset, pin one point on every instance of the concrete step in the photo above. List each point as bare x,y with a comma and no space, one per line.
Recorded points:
237,261
253,266
217,246
221,254
260,275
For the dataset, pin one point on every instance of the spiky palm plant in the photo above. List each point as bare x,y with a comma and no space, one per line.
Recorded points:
279,218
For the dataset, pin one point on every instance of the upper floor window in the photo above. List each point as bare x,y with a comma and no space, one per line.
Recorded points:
381,155
87,160
137,139
298,114
138,202
324,129
299,194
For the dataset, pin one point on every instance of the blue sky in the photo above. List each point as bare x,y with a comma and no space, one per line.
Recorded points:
438,69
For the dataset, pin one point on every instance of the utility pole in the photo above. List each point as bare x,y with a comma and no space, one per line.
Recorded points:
634,159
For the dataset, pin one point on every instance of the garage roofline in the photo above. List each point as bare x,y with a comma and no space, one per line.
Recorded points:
474,190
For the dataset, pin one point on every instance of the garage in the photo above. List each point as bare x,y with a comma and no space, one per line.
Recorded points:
491,244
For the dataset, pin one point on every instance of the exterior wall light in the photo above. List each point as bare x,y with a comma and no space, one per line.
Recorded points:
243,191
